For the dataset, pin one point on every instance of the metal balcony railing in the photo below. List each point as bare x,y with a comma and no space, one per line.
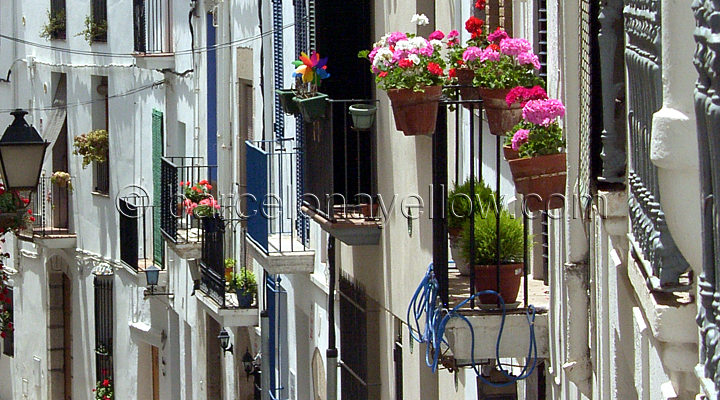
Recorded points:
271,202
137,242
50,205
152,28
176,224
339,165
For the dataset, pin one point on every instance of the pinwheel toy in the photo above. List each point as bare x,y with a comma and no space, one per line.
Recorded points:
312,68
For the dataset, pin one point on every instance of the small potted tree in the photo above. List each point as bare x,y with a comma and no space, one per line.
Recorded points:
485,260
310,71
412,71
539,171
460,206
245,287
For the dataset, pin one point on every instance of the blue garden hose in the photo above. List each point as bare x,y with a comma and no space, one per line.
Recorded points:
426,301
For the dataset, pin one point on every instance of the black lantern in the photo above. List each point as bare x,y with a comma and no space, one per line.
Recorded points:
22,152
225,341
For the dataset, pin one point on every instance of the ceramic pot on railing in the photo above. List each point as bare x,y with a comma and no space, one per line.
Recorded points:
312,108
541,180
415,112
501,117
510,279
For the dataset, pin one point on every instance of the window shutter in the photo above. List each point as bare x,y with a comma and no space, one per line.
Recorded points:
104,327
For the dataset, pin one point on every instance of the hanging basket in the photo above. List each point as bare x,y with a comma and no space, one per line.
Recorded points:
465,77
415,112
510,278
286,101
541,180
363,115
313,108
501,117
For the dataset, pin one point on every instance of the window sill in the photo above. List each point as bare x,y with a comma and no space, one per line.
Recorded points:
100,194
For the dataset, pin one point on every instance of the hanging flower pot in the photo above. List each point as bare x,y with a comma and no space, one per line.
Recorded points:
510,279
286,101
501,117
541,180
312,108
465,77
415,112
363,115
509,153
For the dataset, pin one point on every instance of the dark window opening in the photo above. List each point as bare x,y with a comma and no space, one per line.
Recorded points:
9,339
104,327
99,20
353,336
58,17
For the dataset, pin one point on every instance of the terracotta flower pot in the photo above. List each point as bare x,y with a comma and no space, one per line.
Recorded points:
509,153
501,117
365,210
465,77
415,112
510,279
541,180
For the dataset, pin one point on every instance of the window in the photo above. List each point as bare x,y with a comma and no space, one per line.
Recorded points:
541,44
58,14
9,339
98,12
100,120
151,25
104,327
499,14
129,233
245,97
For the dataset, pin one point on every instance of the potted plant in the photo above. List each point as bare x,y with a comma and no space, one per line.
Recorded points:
14,214
501,66
520,95
363,115
245,287
229,268
199,202
94,31
411,69
460,207
286,101
62,179
54,28
461,72
511,254
104,390
539,171
310,71
92,146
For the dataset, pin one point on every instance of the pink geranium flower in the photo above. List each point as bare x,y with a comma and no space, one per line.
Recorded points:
519,138
543,112
437,35
514,46
529,58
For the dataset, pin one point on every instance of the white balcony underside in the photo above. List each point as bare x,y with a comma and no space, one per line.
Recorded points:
229,317
285,255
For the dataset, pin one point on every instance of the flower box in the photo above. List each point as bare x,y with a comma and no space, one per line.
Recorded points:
286,101
312,108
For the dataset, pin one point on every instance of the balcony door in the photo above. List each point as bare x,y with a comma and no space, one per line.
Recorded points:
60,336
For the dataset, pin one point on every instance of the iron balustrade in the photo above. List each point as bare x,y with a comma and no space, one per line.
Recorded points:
104,317
50,204
339,164
271,202
212,261
176,224
135,211
152,26
655,248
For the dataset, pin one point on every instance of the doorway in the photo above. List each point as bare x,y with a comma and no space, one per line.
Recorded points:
60,335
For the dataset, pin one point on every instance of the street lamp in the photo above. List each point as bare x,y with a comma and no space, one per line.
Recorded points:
225,341
22,151
152,278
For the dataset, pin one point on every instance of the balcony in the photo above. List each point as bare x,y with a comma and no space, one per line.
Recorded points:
276,237
141,241
221,302
153,34
340,177
50,204
181,229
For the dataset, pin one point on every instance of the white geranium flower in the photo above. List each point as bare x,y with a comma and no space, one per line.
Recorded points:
384,54
420,19
414,58
404,45
418,42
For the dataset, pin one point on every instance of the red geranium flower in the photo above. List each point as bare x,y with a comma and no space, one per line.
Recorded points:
32,219
434,68
405,63
480,4
474,24
382,74
26,200
203,182
2,335
106,383
494,46
452,73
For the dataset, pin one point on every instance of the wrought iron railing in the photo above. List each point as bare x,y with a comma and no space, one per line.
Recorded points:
339,164
135,210
212,262
271,202
656,250
50,205
177,225
152,26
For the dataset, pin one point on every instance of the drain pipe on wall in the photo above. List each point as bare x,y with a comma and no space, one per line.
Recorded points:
332,352
577,364
265,348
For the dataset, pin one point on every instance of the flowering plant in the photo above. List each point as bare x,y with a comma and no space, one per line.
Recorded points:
503,64
522,95
406,61
474,26
104,390
62,179
93,146
198,199
6,323
539,133
309,72
14,211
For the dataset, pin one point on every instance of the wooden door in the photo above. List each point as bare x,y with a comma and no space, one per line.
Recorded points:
67,337
155,373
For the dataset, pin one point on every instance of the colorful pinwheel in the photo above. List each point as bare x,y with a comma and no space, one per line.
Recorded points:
312,68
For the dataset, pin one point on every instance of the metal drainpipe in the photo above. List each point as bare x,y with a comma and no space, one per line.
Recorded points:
265,365
332,352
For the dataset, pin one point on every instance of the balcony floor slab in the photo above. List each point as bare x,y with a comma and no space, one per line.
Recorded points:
285,255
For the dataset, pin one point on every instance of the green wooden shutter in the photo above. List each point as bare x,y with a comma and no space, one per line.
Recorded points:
157,153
